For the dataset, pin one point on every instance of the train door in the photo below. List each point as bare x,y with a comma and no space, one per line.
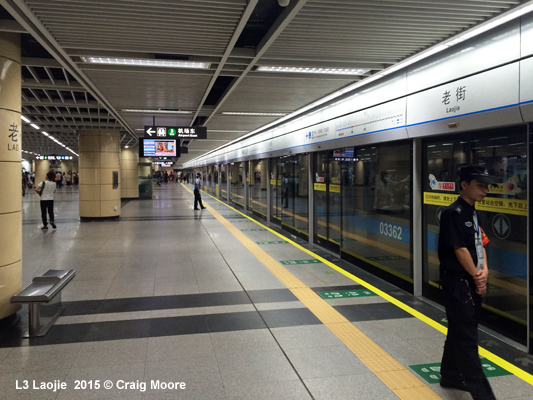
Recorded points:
237,183
224,182
327,200
257,183
275,189
503,216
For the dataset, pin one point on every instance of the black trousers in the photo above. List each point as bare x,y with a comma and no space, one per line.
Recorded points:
197,199
47,205
285,198
460,360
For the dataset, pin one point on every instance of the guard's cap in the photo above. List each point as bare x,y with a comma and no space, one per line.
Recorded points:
477,172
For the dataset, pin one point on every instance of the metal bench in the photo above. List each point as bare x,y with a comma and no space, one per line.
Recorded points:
43,297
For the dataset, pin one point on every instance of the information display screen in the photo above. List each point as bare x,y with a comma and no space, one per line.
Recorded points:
158,148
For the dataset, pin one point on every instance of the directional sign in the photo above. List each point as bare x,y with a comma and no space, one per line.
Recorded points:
54,158
176,132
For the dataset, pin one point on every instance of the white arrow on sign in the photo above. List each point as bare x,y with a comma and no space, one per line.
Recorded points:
150,131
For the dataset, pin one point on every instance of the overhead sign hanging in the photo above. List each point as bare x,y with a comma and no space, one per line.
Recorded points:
175,132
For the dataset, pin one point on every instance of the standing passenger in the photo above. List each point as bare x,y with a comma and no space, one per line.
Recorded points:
197,196
464,273
46,190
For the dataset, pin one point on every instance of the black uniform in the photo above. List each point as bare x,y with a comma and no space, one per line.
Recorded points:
197,196
460,360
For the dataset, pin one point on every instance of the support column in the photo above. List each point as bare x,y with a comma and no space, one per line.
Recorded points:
129,173
99,161
41,169
67,165
10,165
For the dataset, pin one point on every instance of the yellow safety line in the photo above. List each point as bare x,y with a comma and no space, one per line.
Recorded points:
394,375
520,373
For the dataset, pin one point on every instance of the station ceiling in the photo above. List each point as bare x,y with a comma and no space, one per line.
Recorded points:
63,94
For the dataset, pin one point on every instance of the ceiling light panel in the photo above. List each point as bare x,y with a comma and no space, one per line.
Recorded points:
146,62
261,114
317,70
130,110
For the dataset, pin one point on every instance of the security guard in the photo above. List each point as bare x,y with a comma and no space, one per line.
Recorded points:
197,195
464,273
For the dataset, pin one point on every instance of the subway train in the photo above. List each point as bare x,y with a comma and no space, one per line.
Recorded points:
366,175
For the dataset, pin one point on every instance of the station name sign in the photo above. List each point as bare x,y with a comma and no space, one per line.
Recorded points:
54,158
175,132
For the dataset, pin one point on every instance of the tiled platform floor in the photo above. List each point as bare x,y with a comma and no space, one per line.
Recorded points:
168,294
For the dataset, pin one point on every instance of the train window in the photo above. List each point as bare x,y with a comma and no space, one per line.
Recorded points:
376,209
503,216
362,206
258,184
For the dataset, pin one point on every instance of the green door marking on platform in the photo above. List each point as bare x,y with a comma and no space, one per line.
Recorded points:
341,294
252,230
297,262
274,242
490,369
444,320
431,372
385,258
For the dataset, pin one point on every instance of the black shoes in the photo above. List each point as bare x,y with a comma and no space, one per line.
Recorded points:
44,227
458,384
53,224
203,208
196,209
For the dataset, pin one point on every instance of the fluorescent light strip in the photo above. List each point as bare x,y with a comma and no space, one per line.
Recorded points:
314,70
139,62
254,113
25,119
157,111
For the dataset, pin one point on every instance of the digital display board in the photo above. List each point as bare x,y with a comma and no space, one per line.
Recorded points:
158,148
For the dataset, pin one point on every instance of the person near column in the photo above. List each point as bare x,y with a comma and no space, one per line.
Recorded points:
46,190
464,274
24,184
68,178
197,196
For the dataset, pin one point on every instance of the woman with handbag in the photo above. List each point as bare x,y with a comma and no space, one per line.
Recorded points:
46,190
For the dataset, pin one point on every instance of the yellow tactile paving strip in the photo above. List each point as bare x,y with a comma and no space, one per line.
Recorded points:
525,376
393,374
